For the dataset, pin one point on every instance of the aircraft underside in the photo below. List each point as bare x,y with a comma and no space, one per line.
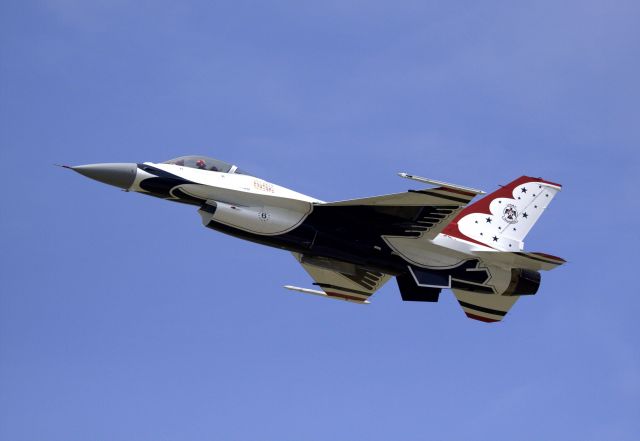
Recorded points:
429,240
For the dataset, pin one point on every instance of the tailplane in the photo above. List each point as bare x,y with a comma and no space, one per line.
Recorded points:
502,219
482,307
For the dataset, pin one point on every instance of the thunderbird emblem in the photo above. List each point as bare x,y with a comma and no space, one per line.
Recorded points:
510,214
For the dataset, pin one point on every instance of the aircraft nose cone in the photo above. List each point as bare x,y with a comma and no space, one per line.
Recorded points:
119,175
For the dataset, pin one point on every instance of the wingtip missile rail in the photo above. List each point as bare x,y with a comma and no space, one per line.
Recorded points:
440,183
316,292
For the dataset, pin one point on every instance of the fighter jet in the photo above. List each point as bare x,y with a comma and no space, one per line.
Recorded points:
429,239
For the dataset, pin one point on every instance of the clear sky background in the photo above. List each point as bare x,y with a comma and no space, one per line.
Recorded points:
122,318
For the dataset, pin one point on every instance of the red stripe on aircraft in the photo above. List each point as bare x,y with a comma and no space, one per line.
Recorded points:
549,182
480,318
453,231
455,190
345,296
549,256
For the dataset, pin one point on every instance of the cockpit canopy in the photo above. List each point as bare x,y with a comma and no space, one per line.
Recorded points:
205,163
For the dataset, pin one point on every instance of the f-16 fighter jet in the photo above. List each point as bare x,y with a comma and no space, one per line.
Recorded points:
428,239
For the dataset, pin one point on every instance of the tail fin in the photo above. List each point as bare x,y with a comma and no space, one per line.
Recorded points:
502,219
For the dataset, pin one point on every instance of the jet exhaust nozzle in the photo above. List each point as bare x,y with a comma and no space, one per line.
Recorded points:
119,175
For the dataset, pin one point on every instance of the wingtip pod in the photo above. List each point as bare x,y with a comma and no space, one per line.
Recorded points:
502,219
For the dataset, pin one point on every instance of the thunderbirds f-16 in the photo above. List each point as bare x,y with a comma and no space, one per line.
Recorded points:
428,239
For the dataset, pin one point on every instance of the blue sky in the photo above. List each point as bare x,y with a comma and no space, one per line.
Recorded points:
122,318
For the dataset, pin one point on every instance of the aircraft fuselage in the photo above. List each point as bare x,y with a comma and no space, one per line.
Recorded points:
428,239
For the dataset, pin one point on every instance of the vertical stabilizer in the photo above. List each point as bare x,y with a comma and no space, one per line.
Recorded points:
502,219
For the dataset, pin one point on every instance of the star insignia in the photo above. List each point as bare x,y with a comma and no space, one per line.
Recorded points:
489,220
495,238
524,190
525,215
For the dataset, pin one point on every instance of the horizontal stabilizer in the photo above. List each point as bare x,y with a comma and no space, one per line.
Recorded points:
484,307
532,261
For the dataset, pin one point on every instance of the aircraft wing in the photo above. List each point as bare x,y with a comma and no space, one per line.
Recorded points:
340,280
413,214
